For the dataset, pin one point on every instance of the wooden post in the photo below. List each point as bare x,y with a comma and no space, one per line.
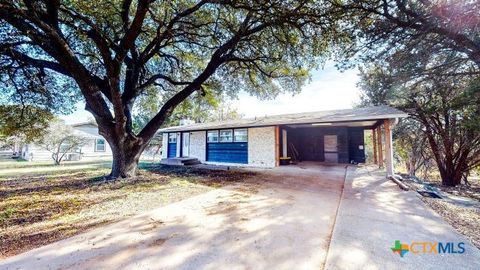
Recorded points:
374,138
284,143
277,146
379,147
388,147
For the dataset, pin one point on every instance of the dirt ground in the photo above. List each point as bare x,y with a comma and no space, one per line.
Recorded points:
465,219
472,191
41,204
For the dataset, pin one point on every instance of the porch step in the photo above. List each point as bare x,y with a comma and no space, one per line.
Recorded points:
180,161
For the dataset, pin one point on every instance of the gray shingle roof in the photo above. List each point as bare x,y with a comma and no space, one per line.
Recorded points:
348,115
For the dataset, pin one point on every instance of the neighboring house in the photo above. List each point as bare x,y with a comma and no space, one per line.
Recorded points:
326,136
96,147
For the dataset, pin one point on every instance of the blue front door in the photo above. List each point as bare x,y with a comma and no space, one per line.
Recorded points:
172,150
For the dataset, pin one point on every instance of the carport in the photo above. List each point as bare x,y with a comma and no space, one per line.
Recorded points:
340,138
334,144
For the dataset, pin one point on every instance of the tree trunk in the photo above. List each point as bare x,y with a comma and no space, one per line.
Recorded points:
126,154
123,167
411,164
451,179
55,159
450,176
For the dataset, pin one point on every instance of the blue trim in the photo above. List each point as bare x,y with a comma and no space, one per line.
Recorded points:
233,152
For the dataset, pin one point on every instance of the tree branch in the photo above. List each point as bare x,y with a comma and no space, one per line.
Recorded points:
43,64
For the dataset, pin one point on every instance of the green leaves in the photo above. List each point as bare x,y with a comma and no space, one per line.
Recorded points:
27,123
135,62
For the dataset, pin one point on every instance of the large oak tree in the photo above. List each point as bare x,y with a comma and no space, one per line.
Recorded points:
444,110
115,51
424,57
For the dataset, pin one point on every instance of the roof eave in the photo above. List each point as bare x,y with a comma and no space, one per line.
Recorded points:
226,125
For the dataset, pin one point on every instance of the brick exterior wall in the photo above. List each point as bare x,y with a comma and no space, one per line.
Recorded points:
261,147
198,145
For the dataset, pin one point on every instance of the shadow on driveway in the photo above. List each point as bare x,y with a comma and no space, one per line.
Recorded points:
277,219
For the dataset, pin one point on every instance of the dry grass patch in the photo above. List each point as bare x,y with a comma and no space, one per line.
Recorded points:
43,206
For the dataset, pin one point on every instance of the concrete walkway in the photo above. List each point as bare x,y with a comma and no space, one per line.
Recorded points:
374,212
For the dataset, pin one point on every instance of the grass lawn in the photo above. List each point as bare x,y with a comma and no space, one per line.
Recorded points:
41,203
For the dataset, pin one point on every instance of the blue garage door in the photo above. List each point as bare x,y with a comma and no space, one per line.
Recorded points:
172,150
234,152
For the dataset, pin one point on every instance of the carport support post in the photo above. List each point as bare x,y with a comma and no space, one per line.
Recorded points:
284,143
374,138
379,147
277,146
388,147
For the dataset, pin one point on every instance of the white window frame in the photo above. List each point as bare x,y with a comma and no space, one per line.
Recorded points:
104,145
220,136
235,135
172,137
212,132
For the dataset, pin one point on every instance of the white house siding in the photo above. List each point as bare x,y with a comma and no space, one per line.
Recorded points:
32,152
261,147
164,145
198,145
179,144
89,152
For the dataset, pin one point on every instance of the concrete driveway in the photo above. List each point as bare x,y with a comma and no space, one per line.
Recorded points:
282,219
374,213
288,218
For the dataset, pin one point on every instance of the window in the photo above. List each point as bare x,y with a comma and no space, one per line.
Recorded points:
226,135
240,135
212,136
99,145
172,137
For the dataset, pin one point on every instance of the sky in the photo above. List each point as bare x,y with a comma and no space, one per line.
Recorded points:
329,89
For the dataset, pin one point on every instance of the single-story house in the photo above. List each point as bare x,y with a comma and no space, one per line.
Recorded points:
96,147
335,136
